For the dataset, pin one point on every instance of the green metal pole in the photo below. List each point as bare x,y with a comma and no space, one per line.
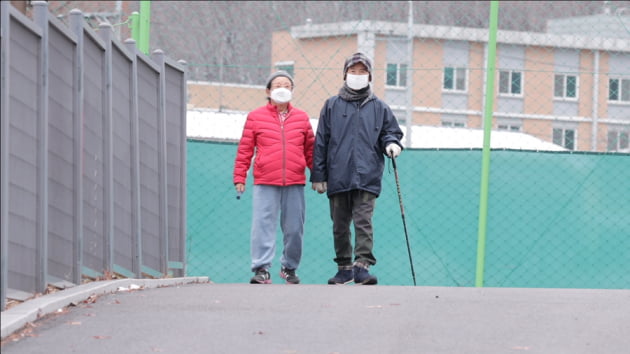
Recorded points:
135,26
145,23
487,129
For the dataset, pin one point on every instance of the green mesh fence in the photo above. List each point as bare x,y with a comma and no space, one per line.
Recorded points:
559,194
560,222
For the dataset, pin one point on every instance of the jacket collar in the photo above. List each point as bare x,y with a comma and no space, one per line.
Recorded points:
273,108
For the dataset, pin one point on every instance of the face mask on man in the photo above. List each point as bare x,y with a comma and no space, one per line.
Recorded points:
281,95
357,82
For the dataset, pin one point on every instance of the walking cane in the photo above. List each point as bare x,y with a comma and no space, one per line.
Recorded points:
402,212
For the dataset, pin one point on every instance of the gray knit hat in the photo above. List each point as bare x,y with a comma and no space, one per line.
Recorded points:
357,58
279,73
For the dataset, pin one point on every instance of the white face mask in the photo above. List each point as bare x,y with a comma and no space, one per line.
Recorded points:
357,82
281,95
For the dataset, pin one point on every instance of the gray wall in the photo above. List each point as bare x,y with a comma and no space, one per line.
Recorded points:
92,156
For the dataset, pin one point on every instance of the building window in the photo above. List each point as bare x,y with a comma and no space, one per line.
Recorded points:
453,124
618,140
286,66
619,90
509,127
454,79
565,86
510,124
564,137
510,82
396,75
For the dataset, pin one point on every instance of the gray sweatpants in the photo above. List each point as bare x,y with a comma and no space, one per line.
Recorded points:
269,203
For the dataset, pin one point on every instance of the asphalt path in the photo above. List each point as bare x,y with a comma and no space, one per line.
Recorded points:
202,317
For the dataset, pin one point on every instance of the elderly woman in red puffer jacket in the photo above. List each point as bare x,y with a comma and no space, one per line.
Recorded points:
281,138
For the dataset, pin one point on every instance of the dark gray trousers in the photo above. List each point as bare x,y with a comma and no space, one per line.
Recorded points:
355,206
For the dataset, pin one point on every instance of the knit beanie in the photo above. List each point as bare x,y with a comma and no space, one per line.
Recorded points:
357,58
279,73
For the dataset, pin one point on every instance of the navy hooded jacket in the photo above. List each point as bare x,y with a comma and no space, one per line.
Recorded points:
350,144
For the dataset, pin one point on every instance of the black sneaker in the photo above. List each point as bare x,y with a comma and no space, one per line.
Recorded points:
362,276
262,277
344,276
289,275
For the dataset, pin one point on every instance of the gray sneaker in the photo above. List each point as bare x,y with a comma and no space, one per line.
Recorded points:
289,275
262,277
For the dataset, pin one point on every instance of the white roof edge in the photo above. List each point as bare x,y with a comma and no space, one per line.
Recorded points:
461,33
224,84
224,126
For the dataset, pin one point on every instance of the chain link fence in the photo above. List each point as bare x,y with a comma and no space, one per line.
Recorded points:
558,206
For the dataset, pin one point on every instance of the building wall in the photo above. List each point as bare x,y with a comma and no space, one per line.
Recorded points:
585,102
225,97
379,69
538,80
538,90
602,104
604,71
427,88
476,78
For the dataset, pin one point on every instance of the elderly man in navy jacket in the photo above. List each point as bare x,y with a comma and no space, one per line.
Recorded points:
355,131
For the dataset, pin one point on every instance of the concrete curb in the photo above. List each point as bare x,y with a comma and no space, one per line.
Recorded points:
29,311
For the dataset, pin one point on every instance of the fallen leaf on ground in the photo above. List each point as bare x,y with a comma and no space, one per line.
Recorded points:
90,300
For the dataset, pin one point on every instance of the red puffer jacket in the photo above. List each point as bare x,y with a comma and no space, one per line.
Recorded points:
283,149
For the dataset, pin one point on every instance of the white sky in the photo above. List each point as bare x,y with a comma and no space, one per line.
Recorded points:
229,126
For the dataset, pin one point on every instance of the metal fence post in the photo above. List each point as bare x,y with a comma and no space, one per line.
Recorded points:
135,163
76,25
4,149
40,9
158,57
145,26
135,26
183,136
485,167
105,31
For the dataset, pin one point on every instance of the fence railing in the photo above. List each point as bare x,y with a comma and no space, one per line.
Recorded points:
92,155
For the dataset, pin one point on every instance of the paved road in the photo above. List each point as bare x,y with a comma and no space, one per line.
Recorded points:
290,319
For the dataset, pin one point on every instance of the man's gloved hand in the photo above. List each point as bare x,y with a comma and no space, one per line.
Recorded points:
393,150
320,187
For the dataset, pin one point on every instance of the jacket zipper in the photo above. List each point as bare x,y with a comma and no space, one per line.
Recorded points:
284,152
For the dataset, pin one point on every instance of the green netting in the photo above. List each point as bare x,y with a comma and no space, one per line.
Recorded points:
555,220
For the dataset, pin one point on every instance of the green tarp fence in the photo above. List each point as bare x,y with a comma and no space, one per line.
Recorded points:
555,220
